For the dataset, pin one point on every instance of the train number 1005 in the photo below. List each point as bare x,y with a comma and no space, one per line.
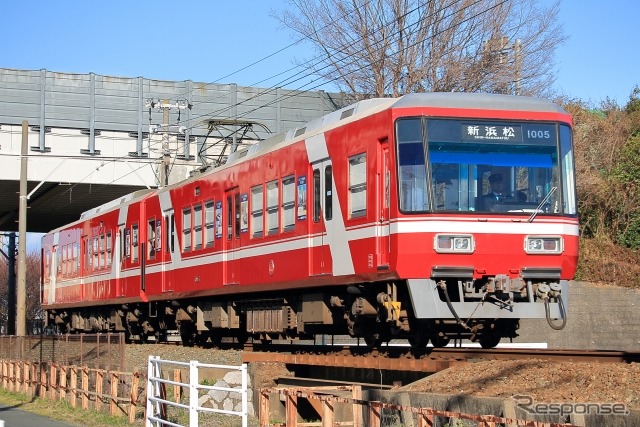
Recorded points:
538,134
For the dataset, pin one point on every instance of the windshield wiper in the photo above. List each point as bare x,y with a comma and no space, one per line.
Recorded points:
538,209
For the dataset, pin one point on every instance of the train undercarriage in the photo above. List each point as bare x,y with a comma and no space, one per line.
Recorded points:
375,312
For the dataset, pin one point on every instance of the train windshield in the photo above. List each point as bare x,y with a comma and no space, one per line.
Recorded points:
485,166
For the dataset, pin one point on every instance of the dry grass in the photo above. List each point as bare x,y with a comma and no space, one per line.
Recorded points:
601,261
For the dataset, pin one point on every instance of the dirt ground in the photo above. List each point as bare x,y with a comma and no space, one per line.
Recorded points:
549,382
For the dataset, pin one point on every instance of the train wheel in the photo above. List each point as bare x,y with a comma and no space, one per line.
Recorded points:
439,341
489,340
373,340
418,340
187,332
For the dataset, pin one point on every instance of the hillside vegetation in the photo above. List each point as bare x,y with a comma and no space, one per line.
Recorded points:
607,150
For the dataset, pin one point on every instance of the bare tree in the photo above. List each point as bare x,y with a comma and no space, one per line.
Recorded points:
33,308
393,47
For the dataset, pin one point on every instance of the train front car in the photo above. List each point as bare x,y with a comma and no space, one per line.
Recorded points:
486,231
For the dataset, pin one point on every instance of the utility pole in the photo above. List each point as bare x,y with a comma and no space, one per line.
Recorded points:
165,106
21,303
11,283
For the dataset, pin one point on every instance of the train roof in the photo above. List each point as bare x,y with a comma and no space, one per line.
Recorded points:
480,101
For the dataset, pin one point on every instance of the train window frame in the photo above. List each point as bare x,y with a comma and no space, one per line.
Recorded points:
209,224
358,184
197,227
288,206
186,229
273,199
257,211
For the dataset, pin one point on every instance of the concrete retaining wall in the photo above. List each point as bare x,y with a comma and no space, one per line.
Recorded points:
599,317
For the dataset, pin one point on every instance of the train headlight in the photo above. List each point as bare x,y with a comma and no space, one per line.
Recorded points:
447,243
543,245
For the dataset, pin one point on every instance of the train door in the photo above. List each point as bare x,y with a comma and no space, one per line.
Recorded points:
383,201
232,238
170,251
321,218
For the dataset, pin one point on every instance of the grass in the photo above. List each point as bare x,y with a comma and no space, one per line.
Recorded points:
62,411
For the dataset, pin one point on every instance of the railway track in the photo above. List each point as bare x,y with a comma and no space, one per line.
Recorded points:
426,360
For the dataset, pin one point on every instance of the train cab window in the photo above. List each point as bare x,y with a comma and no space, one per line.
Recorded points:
151,238
316,195
197,227
257,214
134,242
328,193
186,230
272,207
358,185
412,172
208,224
288,203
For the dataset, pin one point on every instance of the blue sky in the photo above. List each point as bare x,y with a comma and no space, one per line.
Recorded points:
205,40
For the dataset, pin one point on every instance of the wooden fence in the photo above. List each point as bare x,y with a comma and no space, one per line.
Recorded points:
369,413
119,393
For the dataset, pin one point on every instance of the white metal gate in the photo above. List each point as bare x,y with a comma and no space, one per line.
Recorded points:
154,400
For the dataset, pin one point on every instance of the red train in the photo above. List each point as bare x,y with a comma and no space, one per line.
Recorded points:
427,217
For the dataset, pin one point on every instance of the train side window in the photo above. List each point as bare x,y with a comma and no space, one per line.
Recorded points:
328,193
197,227
358,185
237,205
229,218
257,214
108,249
208,224
96,254
272,207
170,232
151,238
127,243
316,195
186,230
64,260
102,251
288,203
134,242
